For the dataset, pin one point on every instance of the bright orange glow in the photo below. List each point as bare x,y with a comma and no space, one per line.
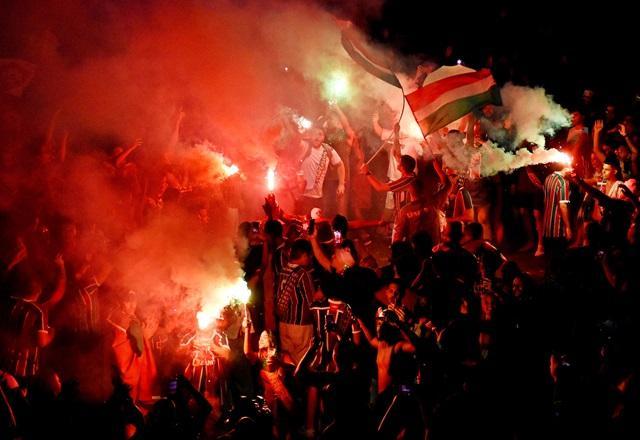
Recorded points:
205,319
562,158
271,179
218,297
231,170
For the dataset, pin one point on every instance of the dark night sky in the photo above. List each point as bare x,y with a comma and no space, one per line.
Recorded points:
561,47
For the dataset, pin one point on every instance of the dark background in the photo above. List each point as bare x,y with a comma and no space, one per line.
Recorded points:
562,47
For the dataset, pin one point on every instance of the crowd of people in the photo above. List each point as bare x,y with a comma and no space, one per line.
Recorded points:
383,303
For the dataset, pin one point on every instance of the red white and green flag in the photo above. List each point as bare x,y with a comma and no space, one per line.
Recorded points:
450,93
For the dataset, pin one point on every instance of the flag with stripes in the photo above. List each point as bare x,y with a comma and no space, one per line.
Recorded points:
450,93
372,60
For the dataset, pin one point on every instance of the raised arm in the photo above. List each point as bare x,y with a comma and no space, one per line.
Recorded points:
397,148
632,147
122,159
374,182
175,134
533,178
597,148
356,148
375,122
246,325
318,253
341,179
601,197
440,197
346,126
471,122
367,334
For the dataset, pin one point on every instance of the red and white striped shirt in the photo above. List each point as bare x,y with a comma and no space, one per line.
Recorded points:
556,191
399,188
294,295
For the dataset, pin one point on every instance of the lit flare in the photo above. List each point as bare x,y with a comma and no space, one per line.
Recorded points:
271,180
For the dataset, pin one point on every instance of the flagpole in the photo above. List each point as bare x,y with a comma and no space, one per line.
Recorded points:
404,102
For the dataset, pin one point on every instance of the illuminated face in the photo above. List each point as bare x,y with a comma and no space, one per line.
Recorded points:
392,293
576,118
316,137
622,152
129,306
266,345
608,172
610,112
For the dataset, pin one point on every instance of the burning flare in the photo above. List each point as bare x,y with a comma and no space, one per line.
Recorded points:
303,123
205,319
337,86
271,179
230,170
561,157
219,297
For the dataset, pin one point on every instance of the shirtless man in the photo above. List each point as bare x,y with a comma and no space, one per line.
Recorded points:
389,341
396,409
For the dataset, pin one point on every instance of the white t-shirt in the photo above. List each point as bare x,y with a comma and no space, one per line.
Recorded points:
409,147
313,173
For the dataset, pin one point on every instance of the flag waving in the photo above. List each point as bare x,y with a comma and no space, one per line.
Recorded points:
450,93
370,59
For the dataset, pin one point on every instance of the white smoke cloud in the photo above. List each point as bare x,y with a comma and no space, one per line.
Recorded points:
494,160
533,113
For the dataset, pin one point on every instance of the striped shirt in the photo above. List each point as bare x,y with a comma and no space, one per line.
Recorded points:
279,260
294,295
556,191
400,190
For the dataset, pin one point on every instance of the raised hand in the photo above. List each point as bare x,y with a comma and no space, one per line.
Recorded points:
622,130
598,126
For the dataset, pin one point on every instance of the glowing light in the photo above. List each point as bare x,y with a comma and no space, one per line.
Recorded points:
219,296
303,123
205,319
242,294
271,179
337,86
561,157
459,62
230,170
